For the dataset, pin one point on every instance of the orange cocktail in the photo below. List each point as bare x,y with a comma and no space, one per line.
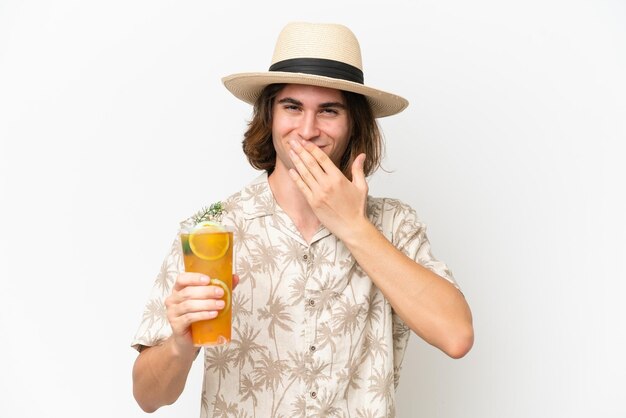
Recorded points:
208,249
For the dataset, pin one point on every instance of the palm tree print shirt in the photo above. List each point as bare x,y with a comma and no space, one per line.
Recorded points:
312,335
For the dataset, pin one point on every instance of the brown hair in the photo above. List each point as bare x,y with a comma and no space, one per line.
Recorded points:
366,136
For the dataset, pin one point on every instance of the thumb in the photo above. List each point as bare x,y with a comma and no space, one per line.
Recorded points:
235,280
358,175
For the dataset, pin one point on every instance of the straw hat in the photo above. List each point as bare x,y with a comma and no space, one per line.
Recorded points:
326,55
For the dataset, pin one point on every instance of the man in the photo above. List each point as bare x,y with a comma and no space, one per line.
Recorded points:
331,280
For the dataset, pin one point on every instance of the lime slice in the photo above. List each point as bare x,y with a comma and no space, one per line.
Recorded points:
209,241
226,298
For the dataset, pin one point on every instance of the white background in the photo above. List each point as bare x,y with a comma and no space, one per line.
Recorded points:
114,126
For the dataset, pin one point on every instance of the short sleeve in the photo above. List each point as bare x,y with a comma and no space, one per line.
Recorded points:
408,234
154,326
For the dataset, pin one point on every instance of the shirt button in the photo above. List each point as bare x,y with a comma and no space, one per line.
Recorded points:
312,349
313,394
305,257
311,302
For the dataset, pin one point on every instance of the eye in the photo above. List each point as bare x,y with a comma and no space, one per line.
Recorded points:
290,106
329,111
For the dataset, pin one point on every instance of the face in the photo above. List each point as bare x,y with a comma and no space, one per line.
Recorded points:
310,113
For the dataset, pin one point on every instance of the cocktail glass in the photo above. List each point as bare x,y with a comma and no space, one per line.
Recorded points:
208,249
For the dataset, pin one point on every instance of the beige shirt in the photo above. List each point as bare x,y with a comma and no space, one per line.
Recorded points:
312,335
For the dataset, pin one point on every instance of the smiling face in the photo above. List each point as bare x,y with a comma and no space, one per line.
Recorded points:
310,113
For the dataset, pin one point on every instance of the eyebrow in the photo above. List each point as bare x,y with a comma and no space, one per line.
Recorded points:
321,106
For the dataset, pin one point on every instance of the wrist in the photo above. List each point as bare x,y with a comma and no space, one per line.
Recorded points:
360,234
182,351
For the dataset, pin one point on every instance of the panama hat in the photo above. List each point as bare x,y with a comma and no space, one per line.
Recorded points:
325,55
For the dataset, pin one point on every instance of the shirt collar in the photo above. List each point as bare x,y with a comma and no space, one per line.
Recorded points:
258,201
257,198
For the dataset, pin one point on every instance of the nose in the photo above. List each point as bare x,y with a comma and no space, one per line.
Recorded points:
308,129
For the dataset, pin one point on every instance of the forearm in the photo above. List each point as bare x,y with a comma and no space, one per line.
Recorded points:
430,305
160,374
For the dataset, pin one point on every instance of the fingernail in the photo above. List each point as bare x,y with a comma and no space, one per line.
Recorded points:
219,292
220,304
204,279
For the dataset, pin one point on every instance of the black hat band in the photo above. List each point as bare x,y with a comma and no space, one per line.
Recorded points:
320,66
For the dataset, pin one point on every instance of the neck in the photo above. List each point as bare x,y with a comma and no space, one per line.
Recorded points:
293,203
